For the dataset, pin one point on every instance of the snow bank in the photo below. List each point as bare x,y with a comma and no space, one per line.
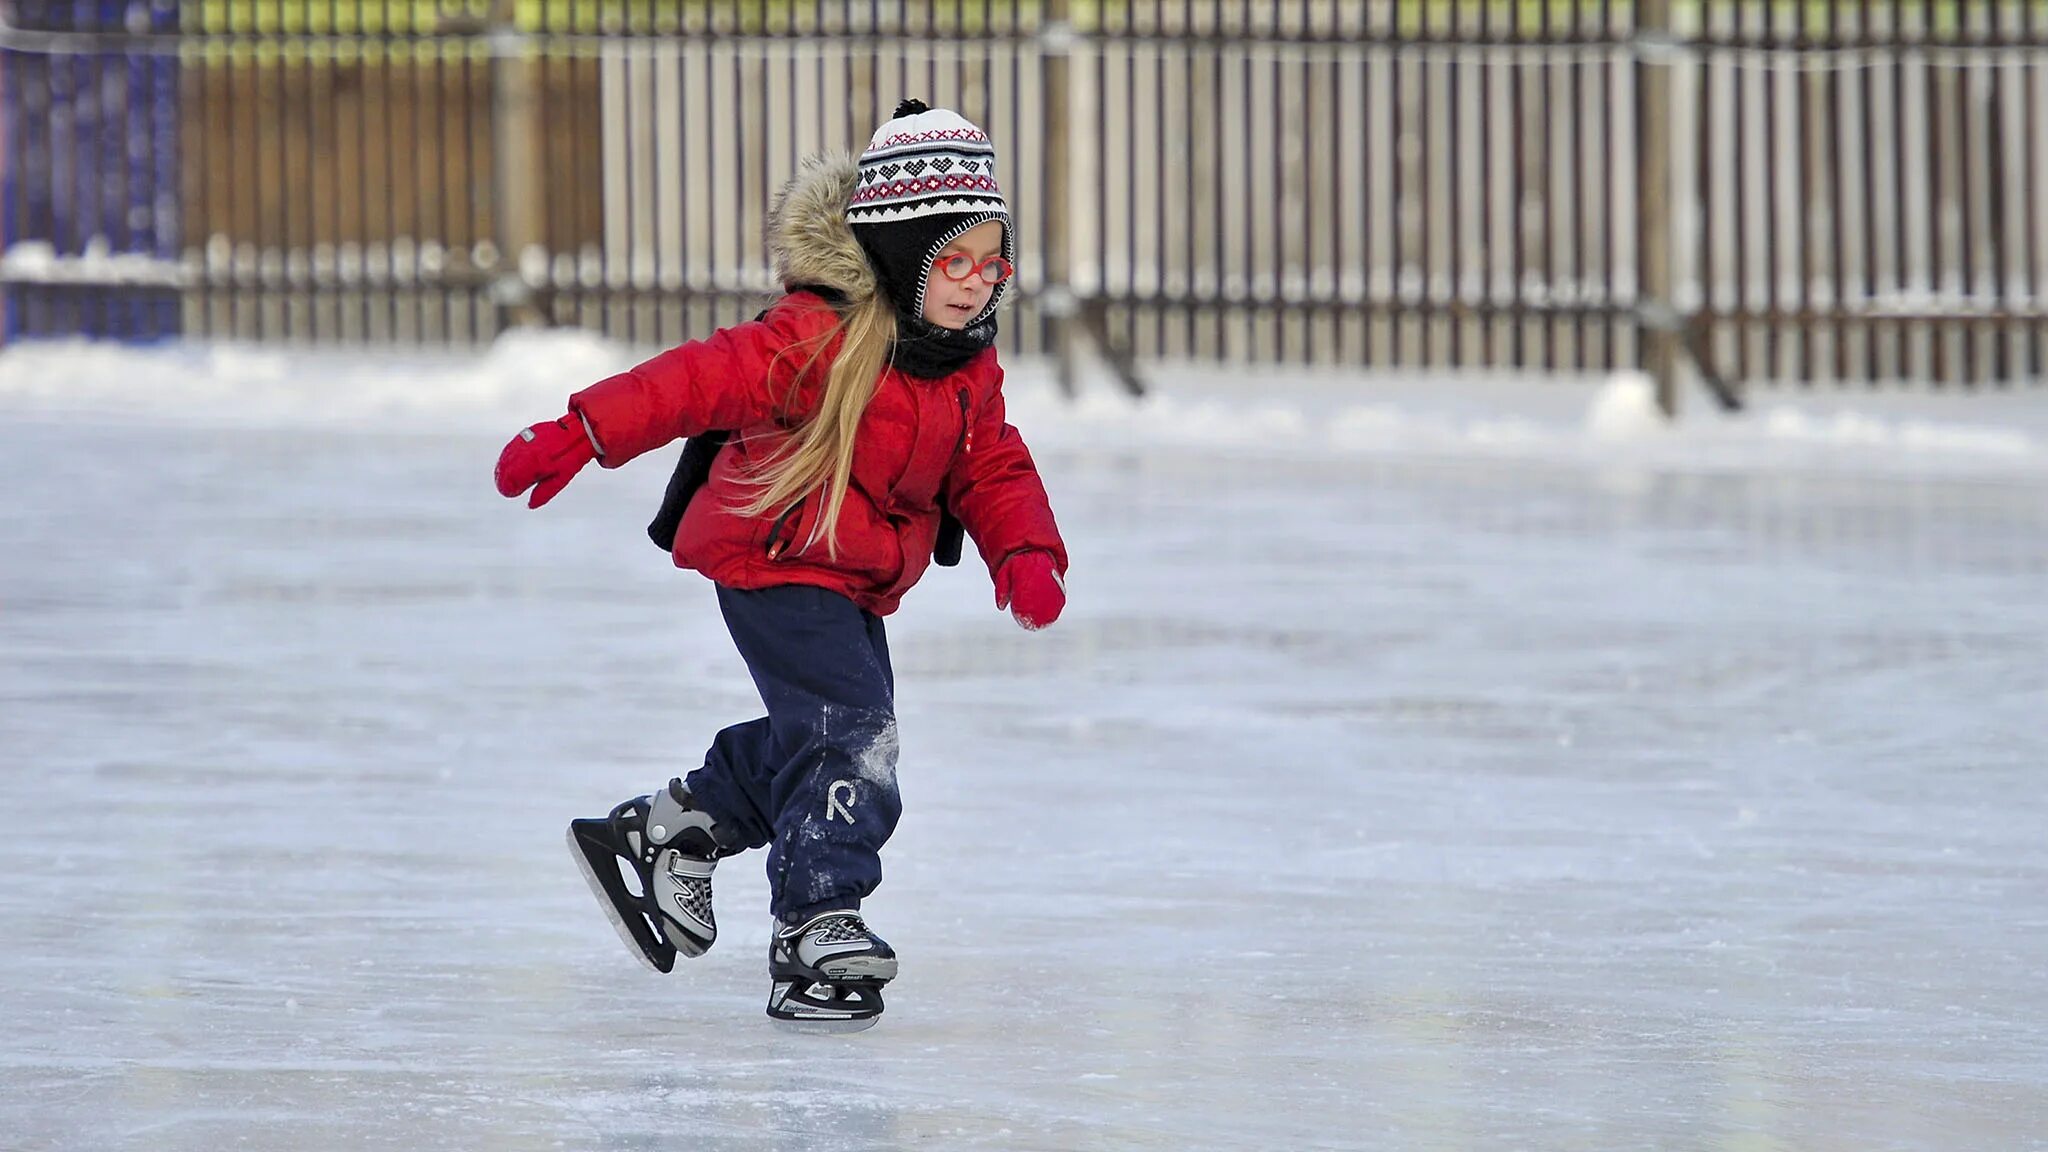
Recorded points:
1592,420
525,376
520,377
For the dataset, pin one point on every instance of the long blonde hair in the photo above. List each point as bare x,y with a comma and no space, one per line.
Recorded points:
818,454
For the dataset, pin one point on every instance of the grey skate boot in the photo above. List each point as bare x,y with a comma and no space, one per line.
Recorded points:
667,842
828,973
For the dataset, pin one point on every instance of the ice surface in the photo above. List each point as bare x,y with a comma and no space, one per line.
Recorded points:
1421,764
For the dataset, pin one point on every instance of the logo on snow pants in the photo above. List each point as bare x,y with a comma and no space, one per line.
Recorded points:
833,806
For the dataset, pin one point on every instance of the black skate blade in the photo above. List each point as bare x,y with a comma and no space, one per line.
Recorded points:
590,846
796,1006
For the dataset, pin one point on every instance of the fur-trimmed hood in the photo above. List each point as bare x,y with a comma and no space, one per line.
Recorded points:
809,240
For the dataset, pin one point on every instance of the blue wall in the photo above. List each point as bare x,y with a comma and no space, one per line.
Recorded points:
92,163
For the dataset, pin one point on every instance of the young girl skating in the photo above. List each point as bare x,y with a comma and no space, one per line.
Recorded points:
859,408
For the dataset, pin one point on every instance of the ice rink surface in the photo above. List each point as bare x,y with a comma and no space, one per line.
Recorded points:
1511,774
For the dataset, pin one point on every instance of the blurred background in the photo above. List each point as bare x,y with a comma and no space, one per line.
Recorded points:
1766,190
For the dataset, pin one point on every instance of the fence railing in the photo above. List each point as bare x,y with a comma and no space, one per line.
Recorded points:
1826,190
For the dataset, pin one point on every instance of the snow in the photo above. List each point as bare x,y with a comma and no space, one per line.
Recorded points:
1422,762
37,262
1605,422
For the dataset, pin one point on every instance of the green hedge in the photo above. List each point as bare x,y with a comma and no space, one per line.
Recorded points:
344,17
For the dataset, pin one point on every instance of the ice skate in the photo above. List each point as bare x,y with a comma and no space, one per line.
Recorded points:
667,844
828,973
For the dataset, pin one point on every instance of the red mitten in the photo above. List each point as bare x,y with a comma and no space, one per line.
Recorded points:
544,457
1031,589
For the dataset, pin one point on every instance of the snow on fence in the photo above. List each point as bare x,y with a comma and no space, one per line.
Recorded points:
1831,190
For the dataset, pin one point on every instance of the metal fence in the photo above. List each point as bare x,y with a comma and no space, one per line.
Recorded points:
1787,190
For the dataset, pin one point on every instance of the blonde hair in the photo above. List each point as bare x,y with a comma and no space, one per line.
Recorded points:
818,454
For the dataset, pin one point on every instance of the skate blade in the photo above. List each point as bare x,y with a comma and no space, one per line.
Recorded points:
826,1027
793,1006
611,910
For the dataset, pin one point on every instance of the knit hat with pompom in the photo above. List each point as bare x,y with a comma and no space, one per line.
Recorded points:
927,177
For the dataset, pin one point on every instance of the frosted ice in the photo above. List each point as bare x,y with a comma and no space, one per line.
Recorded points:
1420,763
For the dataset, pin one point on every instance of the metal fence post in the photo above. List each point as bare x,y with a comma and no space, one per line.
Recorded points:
1056,301
1658,313
517,179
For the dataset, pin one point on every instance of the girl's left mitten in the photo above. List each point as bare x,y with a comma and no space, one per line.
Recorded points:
1032,589
544,458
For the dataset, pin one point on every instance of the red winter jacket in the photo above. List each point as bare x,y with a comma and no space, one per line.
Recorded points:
919,441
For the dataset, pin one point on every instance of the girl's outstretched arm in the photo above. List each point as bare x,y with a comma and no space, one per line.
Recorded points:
734,378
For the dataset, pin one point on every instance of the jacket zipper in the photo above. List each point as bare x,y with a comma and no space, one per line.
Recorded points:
775,544
965,443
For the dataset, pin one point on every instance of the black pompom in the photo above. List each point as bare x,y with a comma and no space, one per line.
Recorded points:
909,108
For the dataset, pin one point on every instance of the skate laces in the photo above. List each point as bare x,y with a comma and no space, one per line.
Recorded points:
826,928
840,928
692,892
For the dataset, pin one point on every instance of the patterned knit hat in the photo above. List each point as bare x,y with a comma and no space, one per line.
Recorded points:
926,178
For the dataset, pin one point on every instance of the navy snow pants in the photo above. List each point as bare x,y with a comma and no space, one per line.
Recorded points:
815,779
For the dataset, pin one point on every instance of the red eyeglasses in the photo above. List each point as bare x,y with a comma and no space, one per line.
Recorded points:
961,266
